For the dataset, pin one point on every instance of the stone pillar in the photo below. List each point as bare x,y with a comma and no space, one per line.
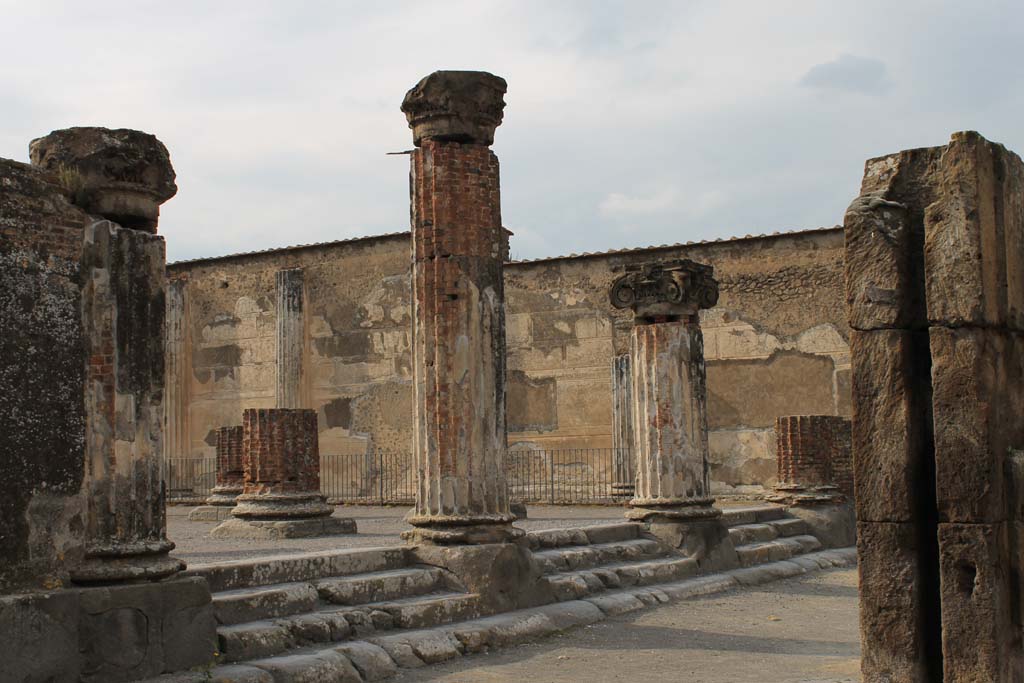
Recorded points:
458,311
178,383
623,461
813,460
281,495
291,338
673,491
122,175
230,477
935,287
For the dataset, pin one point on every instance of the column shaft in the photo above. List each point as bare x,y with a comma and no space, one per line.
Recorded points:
670,421
623,459
291,338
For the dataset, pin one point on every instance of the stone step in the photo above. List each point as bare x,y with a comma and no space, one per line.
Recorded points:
753,514
267,571
745,534
778,549
268,637
264,602
569,558
392,584
583,535
577,584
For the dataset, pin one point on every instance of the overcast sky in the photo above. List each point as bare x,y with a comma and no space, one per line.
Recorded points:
627,123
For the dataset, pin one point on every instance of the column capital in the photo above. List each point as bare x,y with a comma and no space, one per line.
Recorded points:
664,289
120,174
456,106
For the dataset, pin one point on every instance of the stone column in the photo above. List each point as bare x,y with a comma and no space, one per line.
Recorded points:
230,477
458,311
673,492
623,461
291,337
935,287
281,495
122,175
177,384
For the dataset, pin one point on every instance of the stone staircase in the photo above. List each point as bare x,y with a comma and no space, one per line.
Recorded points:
290,615
269,606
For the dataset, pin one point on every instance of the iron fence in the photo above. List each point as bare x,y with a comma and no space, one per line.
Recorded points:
376,477
564,476
188,478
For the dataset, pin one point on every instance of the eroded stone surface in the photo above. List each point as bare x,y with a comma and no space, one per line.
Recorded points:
456,106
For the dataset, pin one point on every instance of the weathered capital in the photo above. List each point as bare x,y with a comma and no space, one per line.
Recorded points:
122,175
665,288
457,106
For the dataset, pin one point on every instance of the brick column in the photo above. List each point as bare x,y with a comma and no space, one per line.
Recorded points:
458,311
623,461
281,492
122,175
230,477
814,460
291,337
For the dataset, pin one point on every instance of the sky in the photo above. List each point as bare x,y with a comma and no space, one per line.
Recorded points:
627,123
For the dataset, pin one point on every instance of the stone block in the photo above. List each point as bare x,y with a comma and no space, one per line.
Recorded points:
325,665
372,662
136,631
897,618
978,415
40,637
891,421
974,236
980,642
260,529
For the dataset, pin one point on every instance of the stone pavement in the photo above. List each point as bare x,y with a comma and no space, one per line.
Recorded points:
800,630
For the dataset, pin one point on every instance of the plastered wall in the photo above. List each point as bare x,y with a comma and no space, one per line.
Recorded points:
776,344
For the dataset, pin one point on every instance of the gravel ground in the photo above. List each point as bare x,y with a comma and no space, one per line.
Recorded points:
378,526
802,630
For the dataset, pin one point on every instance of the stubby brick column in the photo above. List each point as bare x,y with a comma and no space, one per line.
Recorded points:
124,176
813,459
673,492
291,337
230,476
623,462
281,495
459,318
935,287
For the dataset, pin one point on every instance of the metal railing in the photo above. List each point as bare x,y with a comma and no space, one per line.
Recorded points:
564,476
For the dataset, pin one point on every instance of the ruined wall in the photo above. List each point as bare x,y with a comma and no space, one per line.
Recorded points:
359,358
776,344
42,408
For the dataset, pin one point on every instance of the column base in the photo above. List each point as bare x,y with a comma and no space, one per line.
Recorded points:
672,509
281,506
224,495
800,494
273,529
456,530
144,561
623,490
210,513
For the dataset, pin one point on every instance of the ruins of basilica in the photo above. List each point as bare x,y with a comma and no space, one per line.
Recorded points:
856,387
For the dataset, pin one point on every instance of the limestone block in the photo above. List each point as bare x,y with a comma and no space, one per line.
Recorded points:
980,642
890,424
372,662
40,637
974,236
978,417
894,612
325,665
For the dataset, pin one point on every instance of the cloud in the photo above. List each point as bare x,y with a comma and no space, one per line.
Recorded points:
618,204
850,73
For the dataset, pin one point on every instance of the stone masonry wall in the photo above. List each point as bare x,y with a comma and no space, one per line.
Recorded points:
776,344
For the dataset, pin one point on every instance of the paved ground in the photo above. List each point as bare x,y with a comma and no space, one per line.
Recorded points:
377,526
801,630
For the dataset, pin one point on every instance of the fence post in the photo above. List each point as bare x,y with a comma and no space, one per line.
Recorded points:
551,474
380,475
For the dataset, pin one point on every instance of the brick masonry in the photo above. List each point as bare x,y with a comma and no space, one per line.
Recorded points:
280,451
230,461
814,451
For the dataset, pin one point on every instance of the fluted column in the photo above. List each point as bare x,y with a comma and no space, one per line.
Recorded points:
291,337
623,459
670,430
458,303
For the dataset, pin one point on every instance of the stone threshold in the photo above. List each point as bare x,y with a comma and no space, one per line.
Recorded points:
380,657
